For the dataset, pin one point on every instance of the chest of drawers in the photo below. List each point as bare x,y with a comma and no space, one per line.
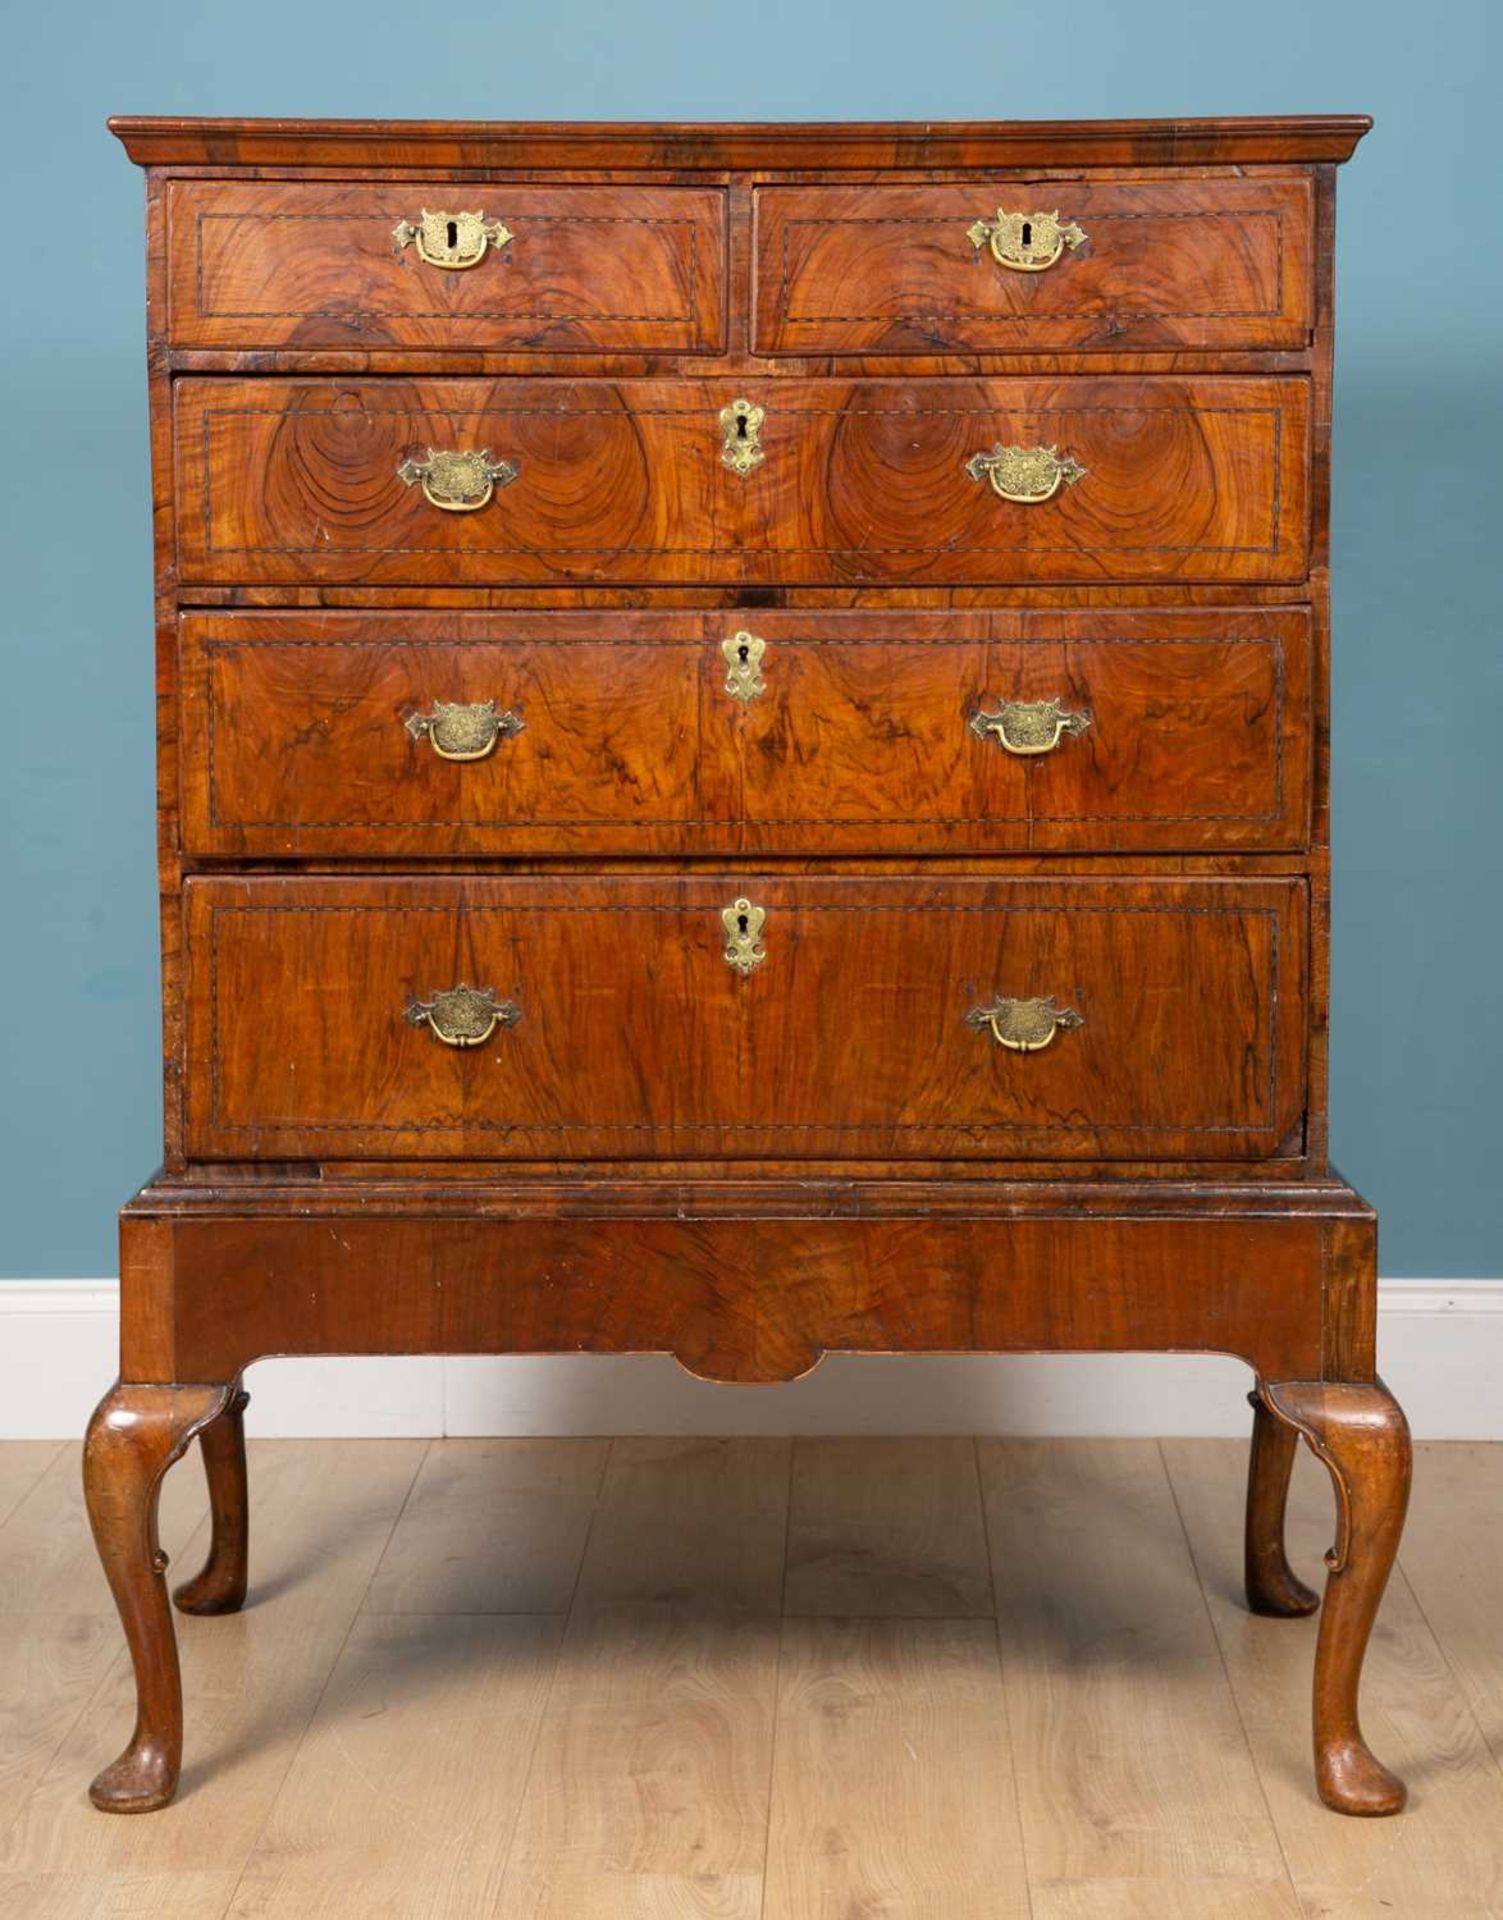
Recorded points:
743,721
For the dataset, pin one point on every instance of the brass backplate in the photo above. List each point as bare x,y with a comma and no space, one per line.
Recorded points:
458,481
1028,727
463,1016
458,730
1024,1026
1027,475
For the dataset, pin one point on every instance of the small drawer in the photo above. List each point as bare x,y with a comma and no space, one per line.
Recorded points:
745,1016
438,734
1015,266
500,482
435,264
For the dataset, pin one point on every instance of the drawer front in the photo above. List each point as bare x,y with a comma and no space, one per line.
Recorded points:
1059,264
865,1016
431,734
543,269
949,481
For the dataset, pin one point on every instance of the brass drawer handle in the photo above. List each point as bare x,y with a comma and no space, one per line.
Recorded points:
1026,242
463,1016
1024,1026
457,482
741,424
456,731
1028,475
1027,727
743,926
743,658
453,241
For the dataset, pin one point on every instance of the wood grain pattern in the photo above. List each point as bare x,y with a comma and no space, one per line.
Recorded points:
405,1789
168,1895
307,265
1195,479
1139,1778
22,1464
886,1527
492,1529
1450,1563
294,739
1189,994
692,1522
648,1793
51,1666
892,1793
890,269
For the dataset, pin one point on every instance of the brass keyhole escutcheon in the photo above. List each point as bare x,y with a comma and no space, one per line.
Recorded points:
453,241
1026,242
743,657
743,924
741,424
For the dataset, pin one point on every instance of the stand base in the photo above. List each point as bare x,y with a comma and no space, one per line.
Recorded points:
747,1280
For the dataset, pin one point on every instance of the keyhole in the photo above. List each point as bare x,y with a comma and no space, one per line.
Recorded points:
744,653
740,426
1027,233
454,235
741,923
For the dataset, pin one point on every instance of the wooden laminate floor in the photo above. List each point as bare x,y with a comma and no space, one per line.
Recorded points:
750,1680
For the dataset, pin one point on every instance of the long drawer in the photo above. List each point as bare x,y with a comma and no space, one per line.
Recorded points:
431,265
430,734
1078,264
743,1015
448,481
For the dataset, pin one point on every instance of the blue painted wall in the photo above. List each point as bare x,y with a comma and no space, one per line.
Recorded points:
1418,1039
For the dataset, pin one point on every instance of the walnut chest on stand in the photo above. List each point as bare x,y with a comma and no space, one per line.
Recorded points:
743,773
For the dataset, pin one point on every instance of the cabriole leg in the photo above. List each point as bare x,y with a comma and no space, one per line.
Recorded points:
219,1587
134,1437
1272,1585
1361,1435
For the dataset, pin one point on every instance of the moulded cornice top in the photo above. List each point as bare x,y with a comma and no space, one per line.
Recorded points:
670,146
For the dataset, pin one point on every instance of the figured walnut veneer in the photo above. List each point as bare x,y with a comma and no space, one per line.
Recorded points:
1173,263
615,978
1197,479
861,739
594,267
592,574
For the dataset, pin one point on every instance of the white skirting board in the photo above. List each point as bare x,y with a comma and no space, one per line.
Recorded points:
1440,1347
